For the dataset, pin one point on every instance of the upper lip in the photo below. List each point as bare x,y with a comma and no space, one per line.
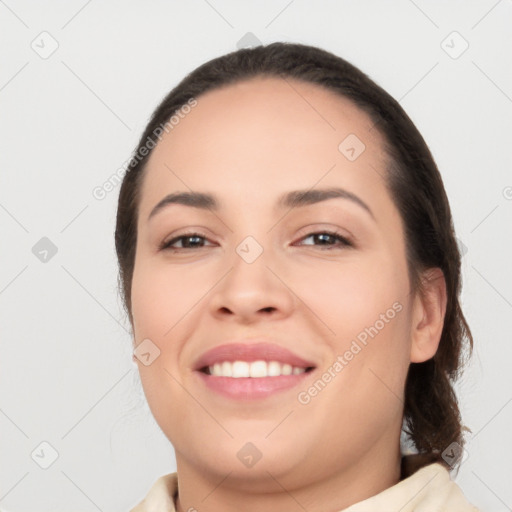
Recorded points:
243,351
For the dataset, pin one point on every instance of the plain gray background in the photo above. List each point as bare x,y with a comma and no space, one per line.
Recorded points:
70,119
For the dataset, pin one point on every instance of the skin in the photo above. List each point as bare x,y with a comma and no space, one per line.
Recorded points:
249,143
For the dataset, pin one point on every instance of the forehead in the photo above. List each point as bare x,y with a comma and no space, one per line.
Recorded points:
263,133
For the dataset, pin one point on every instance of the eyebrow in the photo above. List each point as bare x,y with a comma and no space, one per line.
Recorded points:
293,199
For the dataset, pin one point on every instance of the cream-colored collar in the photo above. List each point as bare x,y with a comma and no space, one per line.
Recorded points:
428,489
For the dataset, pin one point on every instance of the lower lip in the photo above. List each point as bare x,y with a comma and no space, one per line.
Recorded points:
248,388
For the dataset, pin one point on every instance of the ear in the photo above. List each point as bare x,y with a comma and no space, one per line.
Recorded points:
428,315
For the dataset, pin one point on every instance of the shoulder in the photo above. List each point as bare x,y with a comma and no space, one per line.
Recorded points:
161,495
429,488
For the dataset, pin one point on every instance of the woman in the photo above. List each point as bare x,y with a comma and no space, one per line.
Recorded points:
291,274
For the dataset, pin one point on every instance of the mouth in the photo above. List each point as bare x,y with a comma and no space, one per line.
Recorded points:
254,370
248,372
243,387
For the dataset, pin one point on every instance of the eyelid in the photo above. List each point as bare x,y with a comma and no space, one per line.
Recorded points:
316,228
342,241
175,237
346,238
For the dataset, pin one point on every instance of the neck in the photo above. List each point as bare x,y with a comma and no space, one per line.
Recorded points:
371,474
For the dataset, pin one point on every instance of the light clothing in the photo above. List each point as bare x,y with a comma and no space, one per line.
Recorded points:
428,489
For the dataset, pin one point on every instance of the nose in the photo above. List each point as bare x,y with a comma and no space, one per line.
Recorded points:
252,291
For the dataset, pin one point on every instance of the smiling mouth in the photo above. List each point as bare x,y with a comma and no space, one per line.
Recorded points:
254,369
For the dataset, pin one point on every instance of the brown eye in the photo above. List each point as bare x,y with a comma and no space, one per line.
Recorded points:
188,241
328,239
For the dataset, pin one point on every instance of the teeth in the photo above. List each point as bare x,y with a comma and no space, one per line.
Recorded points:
240,369
226,369
255,369
258,369
273,369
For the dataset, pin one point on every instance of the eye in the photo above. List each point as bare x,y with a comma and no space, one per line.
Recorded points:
328,239
187,240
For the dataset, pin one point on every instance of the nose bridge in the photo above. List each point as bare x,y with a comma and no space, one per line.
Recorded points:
250,249
250,286
250,275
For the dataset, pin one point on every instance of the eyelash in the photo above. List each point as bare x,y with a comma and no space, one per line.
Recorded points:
166,245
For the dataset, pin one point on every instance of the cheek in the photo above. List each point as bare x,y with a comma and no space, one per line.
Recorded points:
362,308
359,393
164,300
347,296
162,296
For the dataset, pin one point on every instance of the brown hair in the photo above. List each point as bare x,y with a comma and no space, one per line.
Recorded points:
431,413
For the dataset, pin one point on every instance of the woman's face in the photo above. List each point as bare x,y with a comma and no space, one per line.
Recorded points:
268,272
